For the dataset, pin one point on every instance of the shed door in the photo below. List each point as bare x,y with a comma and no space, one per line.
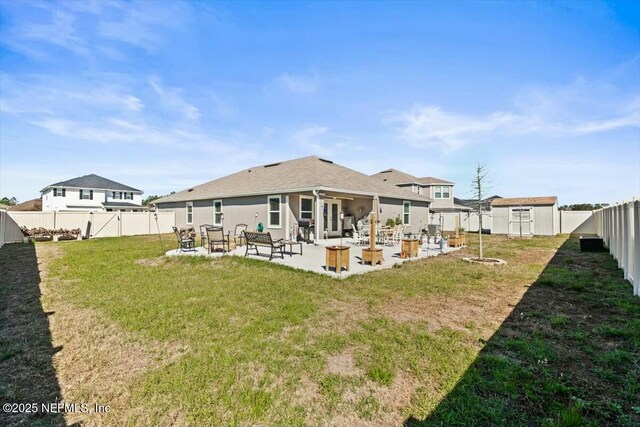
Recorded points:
521,221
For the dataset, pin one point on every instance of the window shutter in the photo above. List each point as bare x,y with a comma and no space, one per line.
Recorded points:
80,194
64,192
91,194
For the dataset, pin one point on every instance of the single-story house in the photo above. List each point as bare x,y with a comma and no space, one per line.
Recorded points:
526,216
283,195
91,193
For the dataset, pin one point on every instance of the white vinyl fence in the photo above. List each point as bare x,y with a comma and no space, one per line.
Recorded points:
468,220
9,231
577,222
619,227
99,224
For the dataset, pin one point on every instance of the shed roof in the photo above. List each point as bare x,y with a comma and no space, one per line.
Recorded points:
531,201
303,174
92,181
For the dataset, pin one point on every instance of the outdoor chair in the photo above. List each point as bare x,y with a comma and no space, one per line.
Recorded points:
358,236
238,233
203,234
184,243
216,237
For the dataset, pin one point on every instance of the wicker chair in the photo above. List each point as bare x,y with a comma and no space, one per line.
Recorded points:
184,243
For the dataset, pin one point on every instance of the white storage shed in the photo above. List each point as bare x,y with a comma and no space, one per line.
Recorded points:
526,216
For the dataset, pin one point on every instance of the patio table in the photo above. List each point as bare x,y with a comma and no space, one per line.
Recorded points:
291,243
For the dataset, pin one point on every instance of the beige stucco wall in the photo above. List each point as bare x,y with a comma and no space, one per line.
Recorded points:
242,210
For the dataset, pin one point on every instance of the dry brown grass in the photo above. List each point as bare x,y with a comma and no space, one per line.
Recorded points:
99,360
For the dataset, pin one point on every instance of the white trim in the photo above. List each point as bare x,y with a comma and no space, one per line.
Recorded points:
214,211
186,213
403,212
328,203
269,211
300,206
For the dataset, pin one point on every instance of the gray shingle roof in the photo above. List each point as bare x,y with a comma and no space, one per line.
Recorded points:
394,176
92,181
303,174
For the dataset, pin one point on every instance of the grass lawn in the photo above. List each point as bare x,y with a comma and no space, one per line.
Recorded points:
552,338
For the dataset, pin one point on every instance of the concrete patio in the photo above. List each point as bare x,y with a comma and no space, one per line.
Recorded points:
313,256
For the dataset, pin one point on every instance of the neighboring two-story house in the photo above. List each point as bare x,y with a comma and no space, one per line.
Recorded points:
91,193
439,190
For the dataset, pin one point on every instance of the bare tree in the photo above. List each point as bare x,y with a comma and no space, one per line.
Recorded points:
478,190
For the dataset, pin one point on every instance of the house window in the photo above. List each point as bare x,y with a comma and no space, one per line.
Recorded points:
217,212
306,207
59,192
128,196
189,212
86,194
442,192
274,211
406,213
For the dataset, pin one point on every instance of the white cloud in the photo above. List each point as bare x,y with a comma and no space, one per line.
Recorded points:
172,98
89,29
298,83
578,109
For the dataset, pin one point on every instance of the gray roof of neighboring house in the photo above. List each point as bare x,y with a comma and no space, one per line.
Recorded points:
92,181
395,176
432,180
473,203
303,174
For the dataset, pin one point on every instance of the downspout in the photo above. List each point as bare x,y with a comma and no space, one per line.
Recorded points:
316,194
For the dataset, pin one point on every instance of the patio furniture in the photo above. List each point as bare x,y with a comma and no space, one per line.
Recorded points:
216,237
409,248
290,243
337,257
253,239
358,237
238,234
203,233
184,243
457,240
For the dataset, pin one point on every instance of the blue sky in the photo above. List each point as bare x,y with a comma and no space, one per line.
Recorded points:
162,96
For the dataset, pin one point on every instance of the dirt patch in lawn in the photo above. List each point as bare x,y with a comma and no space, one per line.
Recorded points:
98,360
343,364
152,262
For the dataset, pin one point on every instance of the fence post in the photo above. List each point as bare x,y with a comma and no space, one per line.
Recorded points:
636,250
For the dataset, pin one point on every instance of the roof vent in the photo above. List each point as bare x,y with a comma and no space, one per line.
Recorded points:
385,179
325,160
387,171
190,190
271,165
